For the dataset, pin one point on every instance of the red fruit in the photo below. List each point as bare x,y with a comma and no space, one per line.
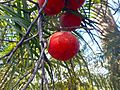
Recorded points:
53,6
63,46
74,4
70,21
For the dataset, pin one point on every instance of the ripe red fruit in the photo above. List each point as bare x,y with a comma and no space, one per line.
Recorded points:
69,21
63,46
53,6
74,4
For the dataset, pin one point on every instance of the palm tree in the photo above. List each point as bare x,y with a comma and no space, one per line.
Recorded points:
110,41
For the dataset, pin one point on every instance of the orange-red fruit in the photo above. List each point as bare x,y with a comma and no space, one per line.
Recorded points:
69,21
74,4
63,46
53,6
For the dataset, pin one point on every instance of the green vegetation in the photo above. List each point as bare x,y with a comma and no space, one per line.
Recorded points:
26,64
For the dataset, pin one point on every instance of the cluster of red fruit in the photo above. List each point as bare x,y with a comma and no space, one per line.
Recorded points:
63,45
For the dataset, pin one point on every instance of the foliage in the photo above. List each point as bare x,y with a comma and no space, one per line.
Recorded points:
25,62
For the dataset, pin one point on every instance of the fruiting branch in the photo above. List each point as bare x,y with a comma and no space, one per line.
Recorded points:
42,47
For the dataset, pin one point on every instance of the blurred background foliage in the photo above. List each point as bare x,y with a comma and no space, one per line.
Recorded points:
95,67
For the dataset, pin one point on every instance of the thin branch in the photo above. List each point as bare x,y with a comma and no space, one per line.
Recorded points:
25,75
43,75
51,71
34,72
6,55
42,48
26,40
33,2
28,31
42,44
22,40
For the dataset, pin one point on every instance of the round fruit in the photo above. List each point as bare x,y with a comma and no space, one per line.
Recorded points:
74,4
69,21
63,46
53,6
